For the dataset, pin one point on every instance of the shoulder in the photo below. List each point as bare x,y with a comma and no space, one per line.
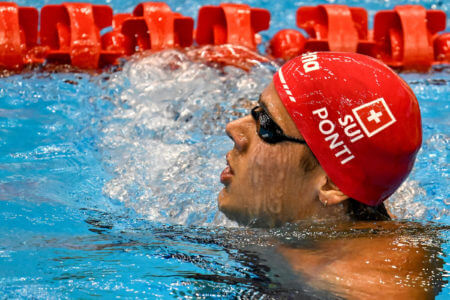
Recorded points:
382,262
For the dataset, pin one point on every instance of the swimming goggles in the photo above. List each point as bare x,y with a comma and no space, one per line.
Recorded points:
268,130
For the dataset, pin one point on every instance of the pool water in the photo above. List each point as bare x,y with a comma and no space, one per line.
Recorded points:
108,182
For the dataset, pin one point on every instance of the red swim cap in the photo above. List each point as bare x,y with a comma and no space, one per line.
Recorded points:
360,119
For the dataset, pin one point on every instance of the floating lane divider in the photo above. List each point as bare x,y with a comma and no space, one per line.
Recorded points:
333,27
406,37
330,28
235,24
71,31
115,41
18,35
154,26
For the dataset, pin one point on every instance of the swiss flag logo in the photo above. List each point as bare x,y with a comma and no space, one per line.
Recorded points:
374,116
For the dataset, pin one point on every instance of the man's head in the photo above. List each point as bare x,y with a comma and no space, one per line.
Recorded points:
358,118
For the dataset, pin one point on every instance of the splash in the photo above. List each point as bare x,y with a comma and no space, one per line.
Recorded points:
165,140
402,203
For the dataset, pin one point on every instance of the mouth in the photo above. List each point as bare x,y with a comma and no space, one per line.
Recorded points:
227,173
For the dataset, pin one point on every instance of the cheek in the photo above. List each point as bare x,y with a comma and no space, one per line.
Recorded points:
274,177
269,164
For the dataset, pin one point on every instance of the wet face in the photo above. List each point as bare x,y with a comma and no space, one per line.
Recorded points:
265,184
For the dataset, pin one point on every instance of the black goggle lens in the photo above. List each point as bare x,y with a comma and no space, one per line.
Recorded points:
268,130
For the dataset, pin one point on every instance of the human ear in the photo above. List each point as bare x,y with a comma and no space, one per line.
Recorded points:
329,193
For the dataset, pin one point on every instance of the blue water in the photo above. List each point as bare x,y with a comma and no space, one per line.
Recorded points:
108,181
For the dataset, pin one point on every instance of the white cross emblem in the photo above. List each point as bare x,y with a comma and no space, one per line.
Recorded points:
374,116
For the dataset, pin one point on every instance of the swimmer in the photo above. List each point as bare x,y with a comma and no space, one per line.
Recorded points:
331,137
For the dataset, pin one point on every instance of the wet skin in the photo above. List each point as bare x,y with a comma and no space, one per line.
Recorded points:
374,266
265,184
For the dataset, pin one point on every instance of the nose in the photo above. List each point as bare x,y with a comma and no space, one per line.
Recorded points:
240,132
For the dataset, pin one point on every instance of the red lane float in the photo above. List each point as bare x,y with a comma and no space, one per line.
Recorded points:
115,40
18,35
330,28
235,24
72,33
333,27
442,48
287,44
154,26
404,36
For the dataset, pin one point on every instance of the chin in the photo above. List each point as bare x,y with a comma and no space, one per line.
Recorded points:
224,203
234,211
221,198
230,209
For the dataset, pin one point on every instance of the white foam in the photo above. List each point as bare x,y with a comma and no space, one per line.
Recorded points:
165,140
